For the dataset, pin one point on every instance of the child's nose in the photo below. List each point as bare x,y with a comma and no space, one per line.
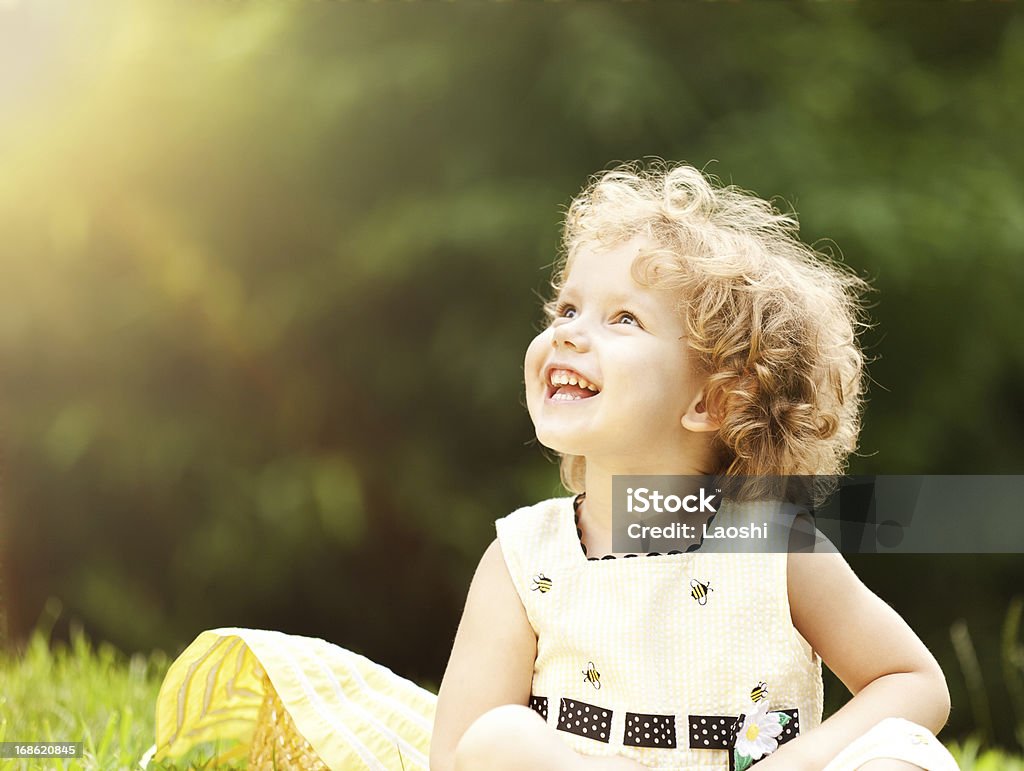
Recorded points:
571,334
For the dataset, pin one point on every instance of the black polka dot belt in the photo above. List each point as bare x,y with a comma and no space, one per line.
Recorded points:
703,732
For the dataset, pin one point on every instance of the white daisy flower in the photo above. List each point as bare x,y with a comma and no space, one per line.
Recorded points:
757,734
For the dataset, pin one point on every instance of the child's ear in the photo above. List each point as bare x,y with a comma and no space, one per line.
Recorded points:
697,418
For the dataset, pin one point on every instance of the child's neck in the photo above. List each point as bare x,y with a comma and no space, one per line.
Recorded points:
595,521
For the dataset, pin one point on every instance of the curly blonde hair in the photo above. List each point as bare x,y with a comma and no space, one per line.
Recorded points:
773,322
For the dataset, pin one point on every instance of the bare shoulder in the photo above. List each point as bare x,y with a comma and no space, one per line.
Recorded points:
820,584
817,575
493,606
492,577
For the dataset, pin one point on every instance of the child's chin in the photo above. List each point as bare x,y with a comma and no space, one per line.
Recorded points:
560,443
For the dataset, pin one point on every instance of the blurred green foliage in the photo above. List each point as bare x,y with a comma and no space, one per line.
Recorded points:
268,272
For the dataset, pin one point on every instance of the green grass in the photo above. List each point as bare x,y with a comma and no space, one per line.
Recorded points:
80,693
84,692
99,696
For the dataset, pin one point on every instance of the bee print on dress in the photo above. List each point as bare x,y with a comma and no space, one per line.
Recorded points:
759,692
541,583
699,591
592,676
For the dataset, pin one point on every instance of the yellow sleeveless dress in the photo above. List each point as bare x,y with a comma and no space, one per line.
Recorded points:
681,661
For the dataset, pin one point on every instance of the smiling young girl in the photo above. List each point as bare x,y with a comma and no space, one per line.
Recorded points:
691,333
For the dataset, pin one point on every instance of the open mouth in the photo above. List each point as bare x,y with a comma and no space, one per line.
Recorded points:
566,385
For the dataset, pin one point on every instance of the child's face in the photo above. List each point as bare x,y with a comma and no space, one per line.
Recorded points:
627,340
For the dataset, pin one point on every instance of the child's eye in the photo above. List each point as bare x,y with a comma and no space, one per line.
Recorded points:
561,309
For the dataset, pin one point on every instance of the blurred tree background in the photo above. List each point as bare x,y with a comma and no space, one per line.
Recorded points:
269,270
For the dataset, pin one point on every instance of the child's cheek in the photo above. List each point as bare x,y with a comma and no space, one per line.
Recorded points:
535,357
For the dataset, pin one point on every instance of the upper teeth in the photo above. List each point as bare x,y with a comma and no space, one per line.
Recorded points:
568,377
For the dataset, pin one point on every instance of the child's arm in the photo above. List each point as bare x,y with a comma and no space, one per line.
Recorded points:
491,666
870,648
492,659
